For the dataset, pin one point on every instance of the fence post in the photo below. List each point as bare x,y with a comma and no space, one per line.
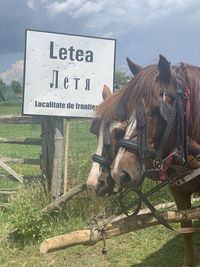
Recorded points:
47,134
57,178
66,156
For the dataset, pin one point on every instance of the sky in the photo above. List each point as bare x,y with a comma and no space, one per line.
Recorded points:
143,28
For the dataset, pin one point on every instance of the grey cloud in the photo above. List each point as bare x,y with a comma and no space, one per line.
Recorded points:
16,16
143,29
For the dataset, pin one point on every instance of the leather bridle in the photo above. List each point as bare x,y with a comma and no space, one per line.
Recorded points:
174,115
104,159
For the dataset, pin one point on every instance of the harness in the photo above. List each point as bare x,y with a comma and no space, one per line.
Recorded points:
104,159
177,115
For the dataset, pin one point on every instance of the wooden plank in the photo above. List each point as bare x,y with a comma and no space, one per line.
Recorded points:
65,197
14,119
21,161
11,171
6,192
21,141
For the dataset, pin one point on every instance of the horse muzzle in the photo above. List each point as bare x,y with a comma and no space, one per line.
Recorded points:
104,186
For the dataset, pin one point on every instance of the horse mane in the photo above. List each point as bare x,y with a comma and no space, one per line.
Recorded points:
146,85
191,75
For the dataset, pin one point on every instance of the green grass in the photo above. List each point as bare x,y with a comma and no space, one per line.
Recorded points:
13,108
151,247
15,150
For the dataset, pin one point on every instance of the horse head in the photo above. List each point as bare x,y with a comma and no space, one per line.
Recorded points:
109,127
150,134
108,131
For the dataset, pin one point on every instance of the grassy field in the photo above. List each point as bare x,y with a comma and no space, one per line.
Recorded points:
151,247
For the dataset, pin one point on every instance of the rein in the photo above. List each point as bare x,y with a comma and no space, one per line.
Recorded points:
100,221
105,162
179,114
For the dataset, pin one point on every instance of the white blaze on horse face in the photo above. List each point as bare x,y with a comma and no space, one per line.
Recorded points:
120,154
95,171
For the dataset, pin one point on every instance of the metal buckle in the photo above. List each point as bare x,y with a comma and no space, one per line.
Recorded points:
157,164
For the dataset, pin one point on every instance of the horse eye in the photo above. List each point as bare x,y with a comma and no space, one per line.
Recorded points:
119,134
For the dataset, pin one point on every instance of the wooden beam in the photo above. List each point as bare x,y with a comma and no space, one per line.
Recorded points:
11,171
21,161
21,141
14,119
113,229
65,197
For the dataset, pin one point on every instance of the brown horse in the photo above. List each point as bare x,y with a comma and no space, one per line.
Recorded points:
163,128
109,128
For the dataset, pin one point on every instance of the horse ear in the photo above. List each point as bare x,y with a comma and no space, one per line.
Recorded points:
106,92
164,69
134,68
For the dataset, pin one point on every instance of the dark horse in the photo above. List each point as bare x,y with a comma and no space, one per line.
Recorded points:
163,135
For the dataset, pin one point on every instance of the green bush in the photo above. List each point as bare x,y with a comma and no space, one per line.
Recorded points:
31,224
26,214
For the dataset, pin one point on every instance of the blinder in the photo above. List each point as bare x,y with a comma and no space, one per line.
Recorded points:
165,109
106,135
95,126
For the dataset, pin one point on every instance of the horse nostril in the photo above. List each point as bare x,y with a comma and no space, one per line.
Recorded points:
124,179
101,188
101,183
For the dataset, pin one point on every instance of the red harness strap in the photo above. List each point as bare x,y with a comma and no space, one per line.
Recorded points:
166,165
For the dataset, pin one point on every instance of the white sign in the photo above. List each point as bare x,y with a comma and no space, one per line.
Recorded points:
64,74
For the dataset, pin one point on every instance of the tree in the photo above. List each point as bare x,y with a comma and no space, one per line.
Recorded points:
17,87
1,82
121,78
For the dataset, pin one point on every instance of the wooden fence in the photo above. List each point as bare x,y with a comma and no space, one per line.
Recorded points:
58,154
52,149
11,119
